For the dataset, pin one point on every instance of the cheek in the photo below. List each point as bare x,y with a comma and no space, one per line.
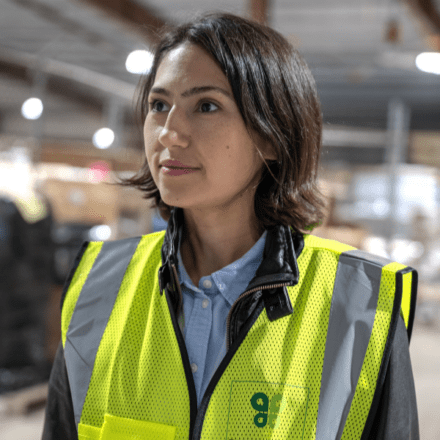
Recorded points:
231,165
151,134
149,155
146,133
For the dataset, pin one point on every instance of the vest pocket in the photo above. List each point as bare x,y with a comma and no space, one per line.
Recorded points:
86,432
119,428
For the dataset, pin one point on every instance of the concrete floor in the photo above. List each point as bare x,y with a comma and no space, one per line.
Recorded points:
425,355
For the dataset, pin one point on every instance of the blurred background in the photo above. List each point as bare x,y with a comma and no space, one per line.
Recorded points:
68,74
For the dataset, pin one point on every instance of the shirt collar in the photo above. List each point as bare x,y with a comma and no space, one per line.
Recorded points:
232,280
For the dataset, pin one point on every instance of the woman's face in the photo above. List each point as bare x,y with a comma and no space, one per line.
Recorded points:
197,146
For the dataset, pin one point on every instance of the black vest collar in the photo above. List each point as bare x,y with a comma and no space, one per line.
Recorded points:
279,265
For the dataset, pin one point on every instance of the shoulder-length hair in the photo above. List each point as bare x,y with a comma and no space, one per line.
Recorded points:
277,98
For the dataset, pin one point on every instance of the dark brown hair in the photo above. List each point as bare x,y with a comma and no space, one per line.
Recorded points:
277,98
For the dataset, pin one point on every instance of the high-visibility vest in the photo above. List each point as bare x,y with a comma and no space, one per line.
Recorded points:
309,375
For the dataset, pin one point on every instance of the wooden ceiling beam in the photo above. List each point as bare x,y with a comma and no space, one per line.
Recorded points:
138,17
56,85
428,15
432,13
258,10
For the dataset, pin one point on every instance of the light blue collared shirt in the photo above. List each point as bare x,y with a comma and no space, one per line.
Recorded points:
206,309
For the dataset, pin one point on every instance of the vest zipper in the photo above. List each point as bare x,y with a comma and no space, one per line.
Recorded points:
228,320
243,295
179,290
183,351
198,426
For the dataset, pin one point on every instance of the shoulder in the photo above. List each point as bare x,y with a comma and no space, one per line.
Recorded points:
104,260
338,252
107,253
112,252
346,252
94,248
313,242
356,266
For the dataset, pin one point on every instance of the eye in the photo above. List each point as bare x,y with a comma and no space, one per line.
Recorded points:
158,106
208,107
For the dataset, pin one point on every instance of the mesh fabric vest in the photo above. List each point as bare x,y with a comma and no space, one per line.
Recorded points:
279,383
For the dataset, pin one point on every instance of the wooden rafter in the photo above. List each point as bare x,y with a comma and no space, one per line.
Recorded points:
258,10
429,15
140,18
431,12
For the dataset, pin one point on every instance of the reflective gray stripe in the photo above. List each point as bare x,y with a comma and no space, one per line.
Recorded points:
352,312
91,314
380,261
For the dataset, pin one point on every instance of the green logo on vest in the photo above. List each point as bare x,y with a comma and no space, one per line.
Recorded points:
267,414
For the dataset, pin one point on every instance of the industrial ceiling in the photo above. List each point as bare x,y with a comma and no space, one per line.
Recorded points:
73,53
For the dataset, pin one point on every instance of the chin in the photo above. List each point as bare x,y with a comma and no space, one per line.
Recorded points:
174,201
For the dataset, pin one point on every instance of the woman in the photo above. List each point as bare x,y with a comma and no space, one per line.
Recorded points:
233,324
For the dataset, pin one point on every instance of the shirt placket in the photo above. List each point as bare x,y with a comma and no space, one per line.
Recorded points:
198,331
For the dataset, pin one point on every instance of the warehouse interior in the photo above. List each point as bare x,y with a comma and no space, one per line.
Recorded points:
69,130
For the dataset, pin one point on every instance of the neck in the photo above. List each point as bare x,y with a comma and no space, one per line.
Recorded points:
216,239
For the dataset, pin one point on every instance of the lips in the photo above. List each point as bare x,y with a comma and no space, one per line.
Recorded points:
175,164
176,168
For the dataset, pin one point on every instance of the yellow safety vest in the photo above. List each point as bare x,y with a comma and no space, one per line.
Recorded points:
309,375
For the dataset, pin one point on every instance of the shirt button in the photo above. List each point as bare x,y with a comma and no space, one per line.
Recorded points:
207,284
205,303
193,367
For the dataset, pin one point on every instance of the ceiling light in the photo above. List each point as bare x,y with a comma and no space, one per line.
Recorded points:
32,108
429,62
139,62
103,138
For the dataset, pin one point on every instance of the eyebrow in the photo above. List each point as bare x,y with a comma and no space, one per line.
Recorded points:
193,91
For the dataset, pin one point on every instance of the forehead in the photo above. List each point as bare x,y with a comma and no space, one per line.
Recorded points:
188,65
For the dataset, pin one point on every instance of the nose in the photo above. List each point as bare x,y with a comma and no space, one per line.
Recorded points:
175,132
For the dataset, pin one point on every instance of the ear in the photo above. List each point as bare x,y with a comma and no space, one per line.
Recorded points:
265,149
268,152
